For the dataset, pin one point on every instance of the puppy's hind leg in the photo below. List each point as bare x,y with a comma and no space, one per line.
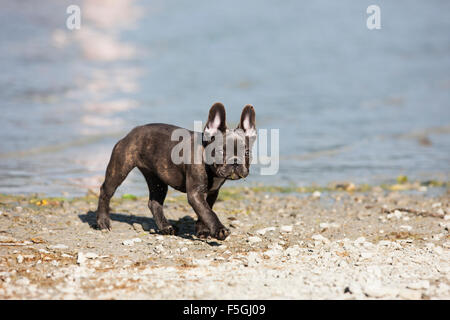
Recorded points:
157,194
118,168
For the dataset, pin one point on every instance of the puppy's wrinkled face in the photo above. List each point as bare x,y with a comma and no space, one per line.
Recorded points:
231,148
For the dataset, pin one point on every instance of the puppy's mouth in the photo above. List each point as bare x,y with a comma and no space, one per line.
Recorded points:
235,176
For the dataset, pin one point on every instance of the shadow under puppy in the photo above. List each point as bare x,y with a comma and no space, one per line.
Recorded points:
150,148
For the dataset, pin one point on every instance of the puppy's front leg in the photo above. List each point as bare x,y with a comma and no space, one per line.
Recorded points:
197,199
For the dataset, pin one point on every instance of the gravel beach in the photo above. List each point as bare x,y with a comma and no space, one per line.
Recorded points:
342,244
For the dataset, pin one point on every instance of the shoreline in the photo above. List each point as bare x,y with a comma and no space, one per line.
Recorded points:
389,242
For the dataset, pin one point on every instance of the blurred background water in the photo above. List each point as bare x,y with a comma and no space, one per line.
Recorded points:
351,104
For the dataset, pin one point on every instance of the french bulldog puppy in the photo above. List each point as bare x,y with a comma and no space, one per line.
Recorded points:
150,148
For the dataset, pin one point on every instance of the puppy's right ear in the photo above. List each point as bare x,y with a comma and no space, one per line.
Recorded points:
216,120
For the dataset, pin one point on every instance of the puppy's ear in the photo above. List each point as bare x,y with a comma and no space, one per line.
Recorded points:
216,120
248,122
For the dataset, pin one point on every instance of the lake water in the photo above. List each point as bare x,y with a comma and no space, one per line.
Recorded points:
351,104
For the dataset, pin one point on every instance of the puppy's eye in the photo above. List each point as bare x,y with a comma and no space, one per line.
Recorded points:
247,153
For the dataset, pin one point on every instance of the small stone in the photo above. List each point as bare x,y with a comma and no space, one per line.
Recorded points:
18,209
292,251
447,217
360,241
320,238
316,194
421,284
91,255
19,258
131,242
138,227
253,259
201,262
58,247
439,250
410,294
398,214
184,249
254,239
23,281
366,255
376,290
286,229
81,258
407,228
441,212
263,231
326,225
436,205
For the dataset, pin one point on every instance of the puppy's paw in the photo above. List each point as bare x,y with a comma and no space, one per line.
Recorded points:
222,233
103,223
168,230
203,234
201,230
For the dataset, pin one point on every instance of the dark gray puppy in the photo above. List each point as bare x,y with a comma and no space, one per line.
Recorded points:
150,149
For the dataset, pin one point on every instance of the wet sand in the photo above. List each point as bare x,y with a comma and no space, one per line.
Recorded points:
390,243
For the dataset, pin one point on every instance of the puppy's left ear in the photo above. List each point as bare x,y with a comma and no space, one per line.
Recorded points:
248,122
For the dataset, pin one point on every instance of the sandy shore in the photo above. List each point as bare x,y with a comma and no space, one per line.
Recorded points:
348,244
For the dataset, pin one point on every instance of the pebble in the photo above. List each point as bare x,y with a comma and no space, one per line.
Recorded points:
439,250
254,239
131,242
263,231
326,225
81,258
253,259
410,294
91,255
366,255
201,262
376,290
138,227
18,209
421,284
407,228
58,246
320,238
286,228
292,251
360,241
23,281
316,194
19,258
